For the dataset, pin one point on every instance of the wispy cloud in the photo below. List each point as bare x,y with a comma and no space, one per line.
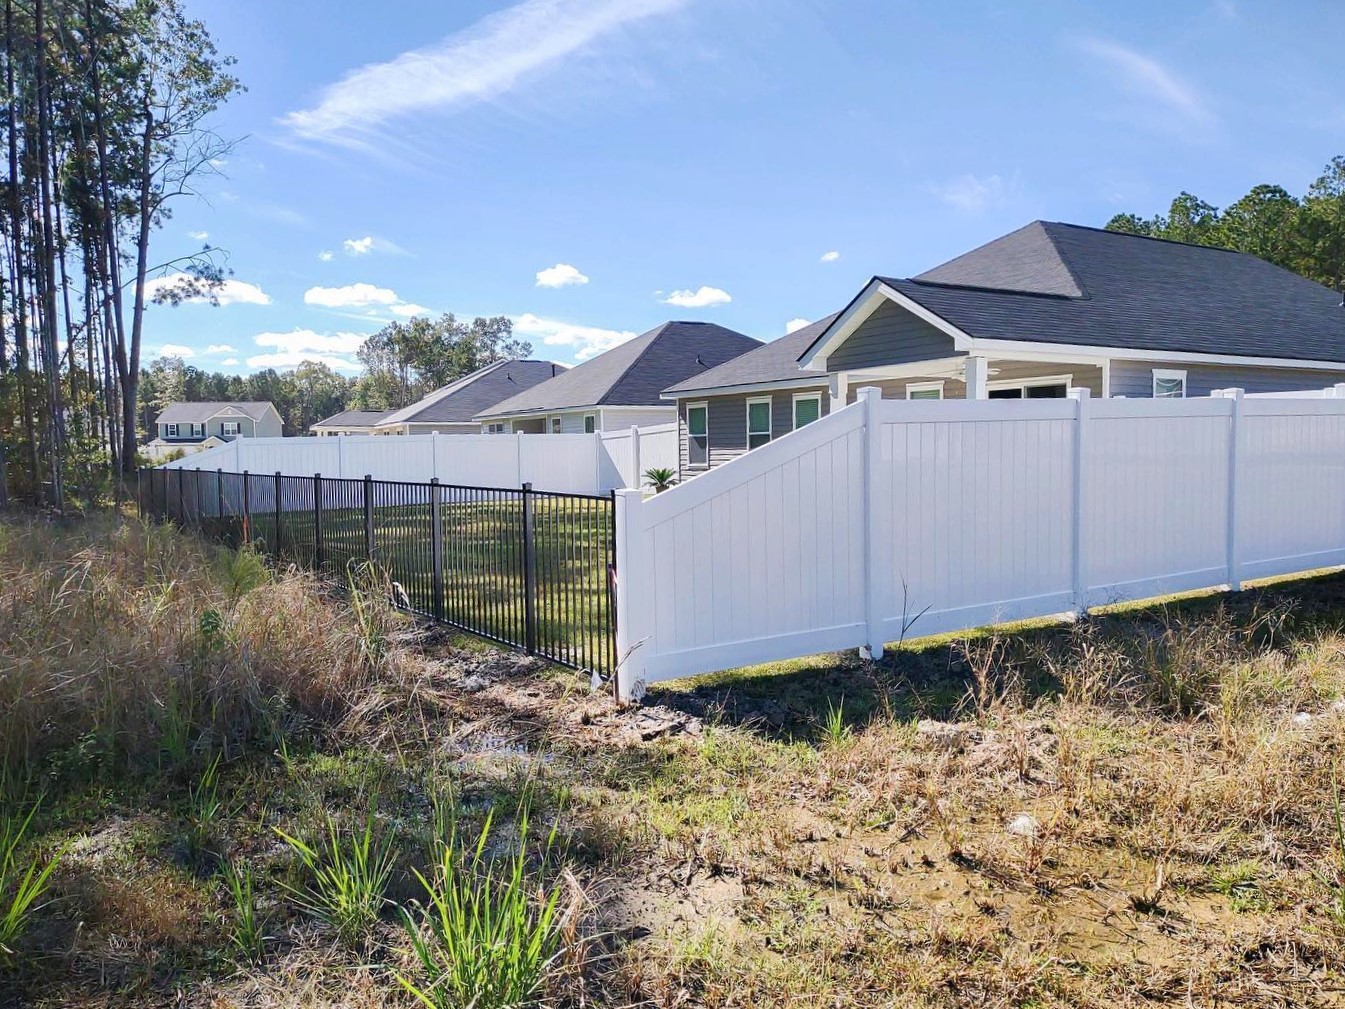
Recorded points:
200,236
176,350
702,297
480,63
289,350
407,309
350,296
794,325
325,256
560,275
367,244
583,341
975,193
229,362
830,257
1147,79
231,292
221,348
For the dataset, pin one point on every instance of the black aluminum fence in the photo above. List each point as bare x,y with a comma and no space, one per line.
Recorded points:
527,568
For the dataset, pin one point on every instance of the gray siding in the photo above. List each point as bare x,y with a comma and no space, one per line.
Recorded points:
891,335
1083,375
726,423
1134,379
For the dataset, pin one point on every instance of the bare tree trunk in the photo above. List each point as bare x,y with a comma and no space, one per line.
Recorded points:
16,229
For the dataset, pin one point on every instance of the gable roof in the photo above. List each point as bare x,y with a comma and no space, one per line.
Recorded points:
199,413
462,400
351,418
774,362
634,373
1067,284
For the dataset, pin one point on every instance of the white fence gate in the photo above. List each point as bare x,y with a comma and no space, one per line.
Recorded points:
897,518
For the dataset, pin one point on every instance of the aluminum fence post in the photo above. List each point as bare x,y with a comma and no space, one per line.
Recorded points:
139,486
529,572
317,521
200,508
634,589
874,597
368,518
219,494
277,546
181,495
437,547
1078,572
247,509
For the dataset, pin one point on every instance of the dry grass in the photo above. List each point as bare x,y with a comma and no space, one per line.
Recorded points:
1134,810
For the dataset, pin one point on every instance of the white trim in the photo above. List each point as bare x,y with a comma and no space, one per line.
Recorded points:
806,380
171,431
546,411
593,416
924,387
747,419
1168,374
794,424
555,424
1035,382
702,405
869,301
238,427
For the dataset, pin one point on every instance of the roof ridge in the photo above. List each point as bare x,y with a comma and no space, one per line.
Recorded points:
653,335
945,285
1152,238
1069,266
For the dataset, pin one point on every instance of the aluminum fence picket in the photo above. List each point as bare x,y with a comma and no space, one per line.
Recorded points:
517,566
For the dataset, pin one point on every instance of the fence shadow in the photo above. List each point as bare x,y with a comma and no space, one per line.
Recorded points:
936,678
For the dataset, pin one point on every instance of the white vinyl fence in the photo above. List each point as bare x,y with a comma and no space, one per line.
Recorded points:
562,463
892,519
632,452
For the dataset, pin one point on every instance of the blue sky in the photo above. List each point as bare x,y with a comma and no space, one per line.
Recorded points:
592,168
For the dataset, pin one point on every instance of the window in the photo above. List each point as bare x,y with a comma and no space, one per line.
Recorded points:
553,424
231,428
590,423
924,390
698,435
1169,384
172,431
807,408
758,422
495,428
1051,387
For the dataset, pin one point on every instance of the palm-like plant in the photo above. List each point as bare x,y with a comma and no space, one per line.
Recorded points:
660,478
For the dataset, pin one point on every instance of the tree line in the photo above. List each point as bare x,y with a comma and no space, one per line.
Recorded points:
105,128
1305,233
401,363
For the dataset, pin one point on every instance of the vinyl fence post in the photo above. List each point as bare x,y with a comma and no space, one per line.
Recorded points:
368,518
634,590
277,547
874,597
247,509
637,470
1078,584
317,521
529,572
437,547
1235,450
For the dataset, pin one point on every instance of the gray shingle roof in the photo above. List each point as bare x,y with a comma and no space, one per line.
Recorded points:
1133,293
199,413
352,418
459,402
636,372
776,361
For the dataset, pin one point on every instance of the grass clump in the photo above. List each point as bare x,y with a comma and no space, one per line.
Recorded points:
23,882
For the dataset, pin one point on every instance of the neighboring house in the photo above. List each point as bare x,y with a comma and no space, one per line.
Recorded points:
453,409
191,427
621,388
1052,307
348,422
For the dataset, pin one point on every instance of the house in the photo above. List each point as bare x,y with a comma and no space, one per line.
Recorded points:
1032,314
348,422
454,408
622,387
191,427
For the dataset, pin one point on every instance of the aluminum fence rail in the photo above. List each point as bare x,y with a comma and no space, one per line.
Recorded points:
532,569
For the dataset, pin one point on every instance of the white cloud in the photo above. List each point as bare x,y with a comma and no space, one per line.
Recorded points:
974,193
701,298
288,350
176,350
350,296
830,257
586,341
369,243
408,309
220,348
477,64
325,256
200,236
560,275
231,292
1146,78
794,325
229,362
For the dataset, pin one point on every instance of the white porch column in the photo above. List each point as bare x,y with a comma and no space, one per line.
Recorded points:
840,390
975,373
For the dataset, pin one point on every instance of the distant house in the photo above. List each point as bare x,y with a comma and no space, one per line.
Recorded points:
191,427
622,387
453,409
349,422
1030,315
